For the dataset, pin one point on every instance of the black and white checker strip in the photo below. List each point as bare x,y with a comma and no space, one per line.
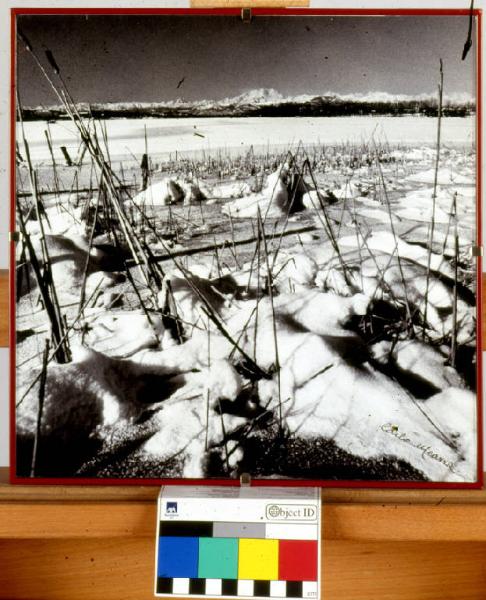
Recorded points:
236,587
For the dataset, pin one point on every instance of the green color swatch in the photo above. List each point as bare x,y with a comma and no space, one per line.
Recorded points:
218,558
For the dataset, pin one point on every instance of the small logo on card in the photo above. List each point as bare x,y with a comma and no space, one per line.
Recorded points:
171,508
291,512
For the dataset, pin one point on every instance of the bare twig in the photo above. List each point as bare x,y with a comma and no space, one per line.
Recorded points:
453,351
40,408
468,42
434,196
274,321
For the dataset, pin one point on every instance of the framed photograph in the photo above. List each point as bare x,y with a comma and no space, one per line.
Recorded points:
246,243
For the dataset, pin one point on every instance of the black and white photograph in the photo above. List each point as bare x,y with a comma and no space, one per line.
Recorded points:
247,244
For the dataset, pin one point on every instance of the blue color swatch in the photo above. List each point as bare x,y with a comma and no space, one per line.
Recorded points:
178,557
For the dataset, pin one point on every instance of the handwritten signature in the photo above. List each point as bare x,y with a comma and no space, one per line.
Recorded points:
426,450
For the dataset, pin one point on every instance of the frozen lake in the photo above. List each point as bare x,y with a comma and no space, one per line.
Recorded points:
198,135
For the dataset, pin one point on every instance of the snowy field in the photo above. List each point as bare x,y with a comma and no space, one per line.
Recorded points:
126,136
263,306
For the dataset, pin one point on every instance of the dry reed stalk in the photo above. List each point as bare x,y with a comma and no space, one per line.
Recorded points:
235,255
207,390
18,156
395,238
201,212
453,350
88,255
55,350
257,249
44,290
287,215
274,321
67,158
326,223
47,133
451,212
225,441
44,275
144,165
90,139
170,316
288,159
255,337
210,312
222,245
216,253
81,153
40,193
244,329
381,271
40,409
434,195
142,303
22,269
358,245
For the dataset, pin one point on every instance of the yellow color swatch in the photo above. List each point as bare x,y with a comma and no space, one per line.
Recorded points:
258,559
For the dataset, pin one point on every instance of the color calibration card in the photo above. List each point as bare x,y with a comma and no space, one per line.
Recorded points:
229,542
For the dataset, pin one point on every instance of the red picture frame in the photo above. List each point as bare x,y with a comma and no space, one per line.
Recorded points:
15,12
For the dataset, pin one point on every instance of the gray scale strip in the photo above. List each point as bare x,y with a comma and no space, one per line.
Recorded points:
239,530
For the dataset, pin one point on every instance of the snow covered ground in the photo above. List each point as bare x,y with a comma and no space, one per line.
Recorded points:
195,135
328,329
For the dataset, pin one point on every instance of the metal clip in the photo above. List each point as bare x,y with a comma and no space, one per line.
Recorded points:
245,480
477,251
246,15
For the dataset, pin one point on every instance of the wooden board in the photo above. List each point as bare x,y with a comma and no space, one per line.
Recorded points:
105,569
370,522
98,543
134,493
57,512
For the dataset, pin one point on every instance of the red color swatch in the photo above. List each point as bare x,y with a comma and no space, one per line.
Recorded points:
297,560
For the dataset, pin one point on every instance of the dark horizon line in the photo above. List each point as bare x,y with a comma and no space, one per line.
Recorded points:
348,98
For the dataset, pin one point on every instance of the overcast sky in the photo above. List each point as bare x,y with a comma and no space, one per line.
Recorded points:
143,58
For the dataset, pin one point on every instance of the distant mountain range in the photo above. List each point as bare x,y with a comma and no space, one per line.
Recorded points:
270,103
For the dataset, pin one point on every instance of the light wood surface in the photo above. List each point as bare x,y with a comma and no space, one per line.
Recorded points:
106,569
56,512
80,542
369,522
140,493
